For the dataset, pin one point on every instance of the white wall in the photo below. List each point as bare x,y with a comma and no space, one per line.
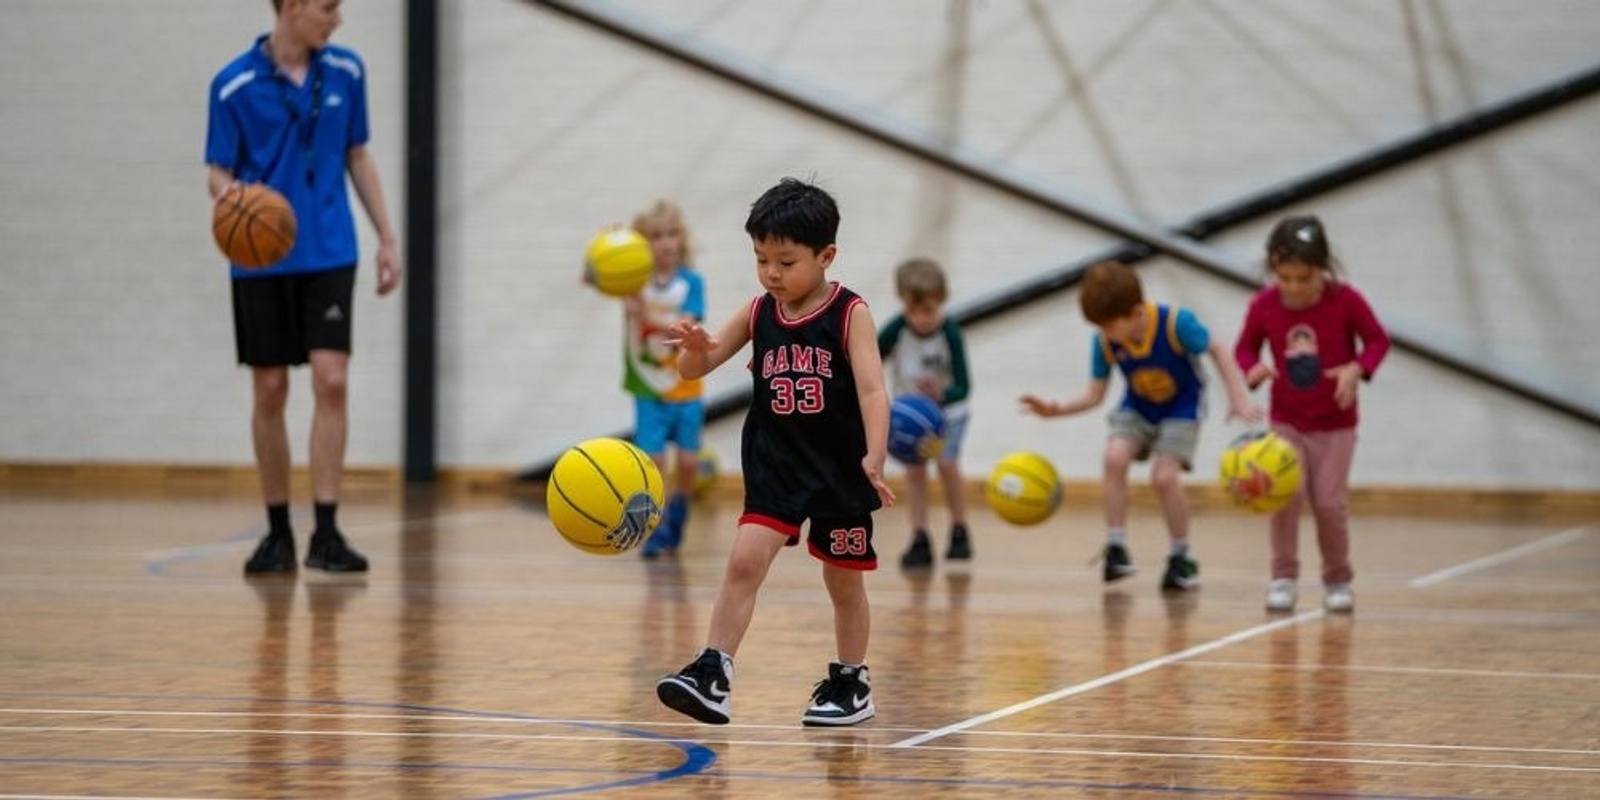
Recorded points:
115,340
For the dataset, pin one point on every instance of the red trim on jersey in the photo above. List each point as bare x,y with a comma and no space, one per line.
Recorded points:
815,312
844,330
771,523
750,321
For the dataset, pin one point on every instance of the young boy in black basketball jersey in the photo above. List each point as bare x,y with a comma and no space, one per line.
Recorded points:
814,444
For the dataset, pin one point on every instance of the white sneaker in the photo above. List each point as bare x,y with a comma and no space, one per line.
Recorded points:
1281,594
1338,598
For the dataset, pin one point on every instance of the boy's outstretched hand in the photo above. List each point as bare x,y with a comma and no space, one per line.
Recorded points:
1033,404
690,335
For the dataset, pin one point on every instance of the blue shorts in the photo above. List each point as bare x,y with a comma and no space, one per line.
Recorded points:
657,422
955,432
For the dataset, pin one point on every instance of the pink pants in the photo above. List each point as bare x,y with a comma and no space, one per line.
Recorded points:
1325,458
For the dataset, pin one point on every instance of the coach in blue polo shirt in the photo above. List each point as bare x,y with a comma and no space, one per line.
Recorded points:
291,112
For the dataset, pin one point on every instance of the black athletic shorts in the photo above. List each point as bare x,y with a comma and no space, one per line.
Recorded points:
840,541
278,321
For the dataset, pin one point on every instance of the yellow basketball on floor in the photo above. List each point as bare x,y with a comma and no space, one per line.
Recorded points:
618,262
1023,489
1261,472
604,496
706,470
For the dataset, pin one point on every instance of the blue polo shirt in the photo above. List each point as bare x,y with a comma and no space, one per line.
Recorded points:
265,129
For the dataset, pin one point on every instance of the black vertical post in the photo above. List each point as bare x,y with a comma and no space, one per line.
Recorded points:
421,239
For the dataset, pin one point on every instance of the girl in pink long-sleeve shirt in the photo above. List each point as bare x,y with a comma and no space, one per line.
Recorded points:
1322,341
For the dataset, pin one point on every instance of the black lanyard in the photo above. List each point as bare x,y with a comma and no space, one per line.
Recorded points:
308,131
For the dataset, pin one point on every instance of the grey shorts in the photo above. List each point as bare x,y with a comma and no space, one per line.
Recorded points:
1174,437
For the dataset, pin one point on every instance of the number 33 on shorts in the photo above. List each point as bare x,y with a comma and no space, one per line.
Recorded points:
847,542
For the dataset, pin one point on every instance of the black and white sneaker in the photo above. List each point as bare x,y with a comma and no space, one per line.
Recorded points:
1115,563
842,698
701,689
1183,574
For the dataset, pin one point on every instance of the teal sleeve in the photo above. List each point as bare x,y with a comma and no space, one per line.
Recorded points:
694,304
1099,367
1191,334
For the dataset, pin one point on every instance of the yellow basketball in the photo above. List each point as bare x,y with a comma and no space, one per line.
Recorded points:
618,262
1261,472
1023,489
605,496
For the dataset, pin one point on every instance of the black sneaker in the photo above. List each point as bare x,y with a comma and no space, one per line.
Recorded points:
329,551
1115,563
275,553
842,698
919,554
701,689
960,544
1183,574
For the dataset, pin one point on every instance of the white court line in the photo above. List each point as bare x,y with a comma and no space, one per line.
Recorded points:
1106,680
1139,669
1553,540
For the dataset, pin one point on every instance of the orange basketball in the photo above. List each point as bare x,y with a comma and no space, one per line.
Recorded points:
254,226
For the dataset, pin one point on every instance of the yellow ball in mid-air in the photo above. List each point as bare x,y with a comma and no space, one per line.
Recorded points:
1260,472
605,496
618,262
1023,489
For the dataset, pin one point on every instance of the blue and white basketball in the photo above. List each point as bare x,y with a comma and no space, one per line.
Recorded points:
916,429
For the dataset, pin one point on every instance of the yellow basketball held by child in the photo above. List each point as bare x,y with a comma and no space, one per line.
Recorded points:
1023,489
618,262
605,496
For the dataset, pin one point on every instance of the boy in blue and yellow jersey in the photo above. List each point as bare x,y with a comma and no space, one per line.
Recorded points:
1156,347
667,408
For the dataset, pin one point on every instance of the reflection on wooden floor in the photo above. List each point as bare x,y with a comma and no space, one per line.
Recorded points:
483,657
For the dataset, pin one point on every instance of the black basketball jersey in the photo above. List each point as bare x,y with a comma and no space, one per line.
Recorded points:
803,437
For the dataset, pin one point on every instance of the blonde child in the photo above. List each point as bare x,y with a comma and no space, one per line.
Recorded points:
929,357
668,409
1322,340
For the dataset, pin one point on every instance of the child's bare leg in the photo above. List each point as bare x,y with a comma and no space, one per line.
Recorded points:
917,495
955,492
754,547
1166,475
1114,484
852,615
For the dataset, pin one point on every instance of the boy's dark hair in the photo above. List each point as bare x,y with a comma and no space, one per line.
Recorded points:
797,211
1111,290
921,279
1300,238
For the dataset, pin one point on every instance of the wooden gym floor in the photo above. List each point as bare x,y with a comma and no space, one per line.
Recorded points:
484,658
